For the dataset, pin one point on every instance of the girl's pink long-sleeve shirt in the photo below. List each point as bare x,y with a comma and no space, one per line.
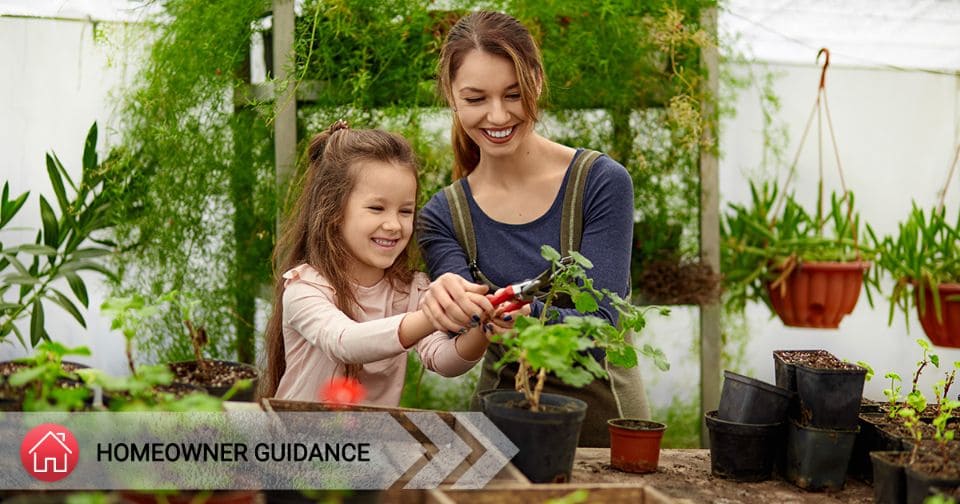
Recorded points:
320,339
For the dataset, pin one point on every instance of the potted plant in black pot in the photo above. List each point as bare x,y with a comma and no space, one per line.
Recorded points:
546,427
216,376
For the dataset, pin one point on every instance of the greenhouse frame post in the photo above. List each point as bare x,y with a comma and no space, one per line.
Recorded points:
285,103
710,342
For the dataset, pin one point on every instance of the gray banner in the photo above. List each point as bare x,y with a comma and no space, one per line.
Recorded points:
259,450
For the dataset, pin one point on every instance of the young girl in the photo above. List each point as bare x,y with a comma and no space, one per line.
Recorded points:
347,302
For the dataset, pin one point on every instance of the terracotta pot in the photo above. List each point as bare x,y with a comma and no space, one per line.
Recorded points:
635,444
944,332
818,294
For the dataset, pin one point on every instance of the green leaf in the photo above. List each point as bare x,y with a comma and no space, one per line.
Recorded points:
10,208
78,287
581,259
64,302
90,152
87,265
549,253
56,180
585,302
25,376
51,229
90,253
37,332
34,249
20,279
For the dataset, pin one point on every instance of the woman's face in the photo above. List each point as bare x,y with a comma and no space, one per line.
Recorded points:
486,96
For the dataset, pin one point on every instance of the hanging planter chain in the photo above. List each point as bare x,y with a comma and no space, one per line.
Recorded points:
790,264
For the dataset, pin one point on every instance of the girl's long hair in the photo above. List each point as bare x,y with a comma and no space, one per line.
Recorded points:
500,35
313,232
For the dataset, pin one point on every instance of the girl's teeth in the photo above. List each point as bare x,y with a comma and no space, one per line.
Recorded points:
500,133
385,243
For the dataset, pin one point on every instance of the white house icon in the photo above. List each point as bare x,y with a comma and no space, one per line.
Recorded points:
60,438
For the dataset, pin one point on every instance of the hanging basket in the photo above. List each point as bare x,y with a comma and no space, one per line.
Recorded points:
818,294
946,331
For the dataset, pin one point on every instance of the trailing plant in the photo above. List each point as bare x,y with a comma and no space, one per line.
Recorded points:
45,381
543,344
921,256
71,240
761,246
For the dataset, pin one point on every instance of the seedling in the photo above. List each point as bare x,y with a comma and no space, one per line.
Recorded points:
927,358
43,379
944,435
893,392
562,347
942,387
916,403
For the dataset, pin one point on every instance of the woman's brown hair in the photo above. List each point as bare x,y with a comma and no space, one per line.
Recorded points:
500,35
313,234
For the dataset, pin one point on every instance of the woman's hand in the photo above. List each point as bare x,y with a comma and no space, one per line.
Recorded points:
454,304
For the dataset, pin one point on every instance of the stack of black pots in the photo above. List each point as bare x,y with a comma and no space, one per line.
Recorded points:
823,418
746,432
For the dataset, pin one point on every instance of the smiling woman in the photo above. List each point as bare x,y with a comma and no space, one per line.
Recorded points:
517,191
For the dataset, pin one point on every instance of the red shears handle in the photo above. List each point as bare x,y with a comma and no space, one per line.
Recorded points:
511,292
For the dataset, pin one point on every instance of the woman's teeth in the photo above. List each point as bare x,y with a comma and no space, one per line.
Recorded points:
500,133
384,243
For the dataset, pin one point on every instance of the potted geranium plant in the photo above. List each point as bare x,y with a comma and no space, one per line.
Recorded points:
546,427
924,261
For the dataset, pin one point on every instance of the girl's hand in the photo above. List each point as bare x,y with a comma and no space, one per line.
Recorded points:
503,321
454,304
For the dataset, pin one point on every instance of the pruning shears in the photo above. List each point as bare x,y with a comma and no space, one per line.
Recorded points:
522,293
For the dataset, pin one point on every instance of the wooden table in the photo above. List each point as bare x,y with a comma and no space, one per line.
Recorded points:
685,476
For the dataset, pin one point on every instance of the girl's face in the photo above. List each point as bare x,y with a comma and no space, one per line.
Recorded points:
486,95
378,218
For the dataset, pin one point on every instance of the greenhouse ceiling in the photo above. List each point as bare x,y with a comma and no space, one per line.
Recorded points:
896,34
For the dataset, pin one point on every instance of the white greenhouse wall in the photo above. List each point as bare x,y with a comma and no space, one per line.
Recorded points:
58,80
897,132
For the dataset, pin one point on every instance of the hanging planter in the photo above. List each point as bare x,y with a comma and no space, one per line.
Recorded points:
924,259
942,328
817,294
807,266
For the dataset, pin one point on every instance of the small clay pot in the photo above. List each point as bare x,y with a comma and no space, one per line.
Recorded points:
635,444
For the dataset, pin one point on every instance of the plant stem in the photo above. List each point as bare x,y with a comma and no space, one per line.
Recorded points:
541,379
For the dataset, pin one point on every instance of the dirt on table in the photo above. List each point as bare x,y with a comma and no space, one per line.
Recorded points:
685,475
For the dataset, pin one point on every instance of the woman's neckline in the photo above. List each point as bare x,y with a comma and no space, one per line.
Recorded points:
557,200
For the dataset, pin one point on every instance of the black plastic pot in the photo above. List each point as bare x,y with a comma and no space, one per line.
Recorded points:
870,439
742,452
817,459
889,479
830,398
750,401
920,484
547,440
785,372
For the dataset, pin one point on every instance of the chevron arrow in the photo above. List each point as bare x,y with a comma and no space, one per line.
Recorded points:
451,450
499,450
